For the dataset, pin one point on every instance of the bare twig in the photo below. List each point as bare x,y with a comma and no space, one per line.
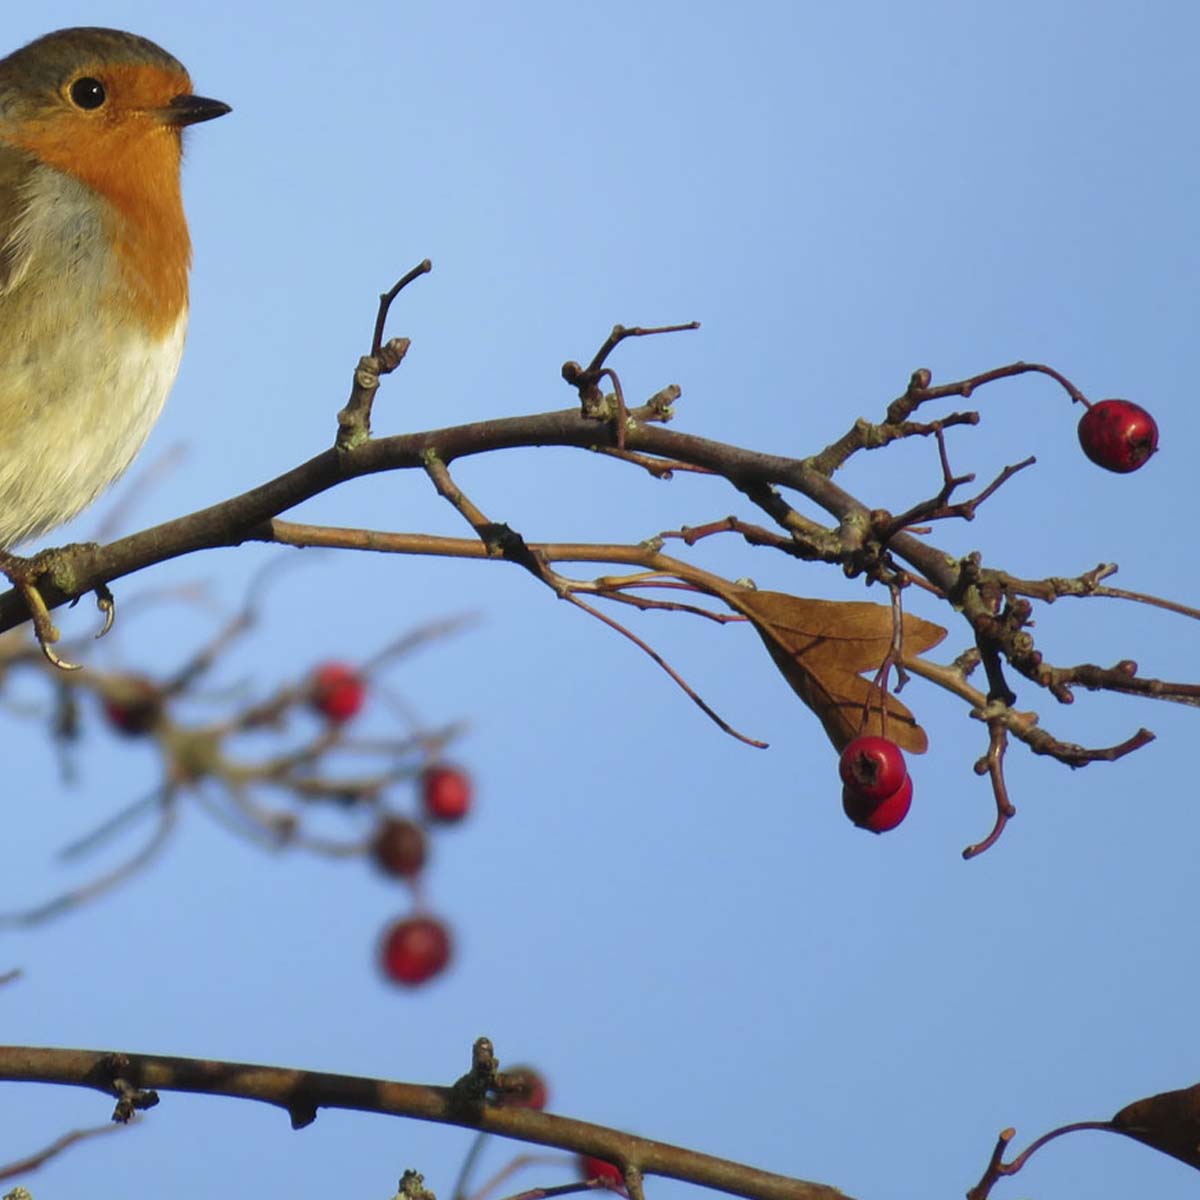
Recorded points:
678,679
862,435
23,1166
97,887
660,468
619,333
388,297
920,390
518,1163
354,420
992,765
998,1169
939,507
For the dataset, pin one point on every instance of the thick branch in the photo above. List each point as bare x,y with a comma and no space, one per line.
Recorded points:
974,589
82,568
302,1093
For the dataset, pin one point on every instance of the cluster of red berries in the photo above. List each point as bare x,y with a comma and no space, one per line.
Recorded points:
878,789
414,949
399,846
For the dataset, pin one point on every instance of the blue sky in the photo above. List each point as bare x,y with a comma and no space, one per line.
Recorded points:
684,933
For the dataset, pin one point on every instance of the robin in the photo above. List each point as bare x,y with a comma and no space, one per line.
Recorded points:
94,258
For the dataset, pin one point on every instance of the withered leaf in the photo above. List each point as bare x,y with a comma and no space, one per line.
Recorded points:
1169,1122
823,646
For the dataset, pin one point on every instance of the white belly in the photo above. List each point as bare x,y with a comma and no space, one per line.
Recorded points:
80,420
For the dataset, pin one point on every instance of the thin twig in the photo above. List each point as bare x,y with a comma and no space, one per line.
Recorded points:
84,894
687,689
112,825
997,1168
660,468
621,332
386,300
920,390
459,1191
517,1163
23,1166
992,765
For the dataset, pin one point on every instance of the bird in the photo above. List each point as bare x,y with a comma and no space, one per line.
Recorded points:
94,263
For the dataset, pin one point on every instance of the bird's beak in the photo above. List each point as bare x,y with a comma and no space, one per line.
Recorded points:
190,110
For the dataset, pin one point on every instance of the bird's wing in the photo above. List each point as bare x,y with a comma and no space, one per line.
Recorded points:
16,166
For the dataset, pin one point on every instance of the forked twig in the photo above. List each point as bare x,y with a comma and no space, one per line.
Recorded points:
997,1168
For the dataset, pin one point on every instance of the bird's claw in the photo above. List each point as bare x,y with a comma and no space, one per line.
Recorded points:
23,574
107,604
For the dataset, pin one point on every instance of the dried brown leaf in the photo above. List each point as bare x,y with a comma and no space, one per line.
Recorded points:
1168,1122
823,646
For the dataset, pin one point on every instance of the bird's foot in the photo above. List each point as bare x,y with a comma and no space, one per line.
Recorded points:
25,574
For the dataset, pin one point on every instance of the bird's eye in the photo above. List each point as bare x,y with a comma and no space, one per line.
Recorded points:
87,92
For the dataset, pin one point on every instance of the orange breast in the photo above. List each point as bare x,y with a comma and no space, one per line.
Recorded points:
130,158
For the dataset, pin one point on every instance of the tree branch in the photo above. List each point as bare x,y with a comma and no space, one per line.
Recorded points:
301,1093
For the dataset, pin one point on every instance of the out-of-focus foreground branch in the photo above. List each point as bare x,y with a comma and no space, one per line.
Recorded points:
136,1079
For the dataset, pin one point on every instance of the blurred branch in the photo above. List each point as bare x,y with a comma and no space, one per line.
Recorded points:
23,1166
136,1079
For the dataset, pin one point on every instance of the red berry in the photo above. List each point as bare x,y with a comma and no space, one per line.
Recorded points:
446,793
597,1168
132,705
526,1088
399,847
414,950
873,766
1118,435
878,815
337,692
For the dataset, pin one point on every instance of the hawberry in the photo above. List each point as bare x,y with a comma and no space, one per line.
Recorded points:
1118,435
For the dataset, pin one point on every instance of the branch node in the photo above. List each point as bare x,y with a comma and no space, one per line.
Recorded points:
471,1090
412,1187
302,1113
130,1100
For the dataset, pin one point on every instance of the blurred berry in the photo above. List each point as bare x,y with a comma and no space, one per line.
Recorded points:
132,705
399,847
414,950
337,692
597,1168
526,1088
445,793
